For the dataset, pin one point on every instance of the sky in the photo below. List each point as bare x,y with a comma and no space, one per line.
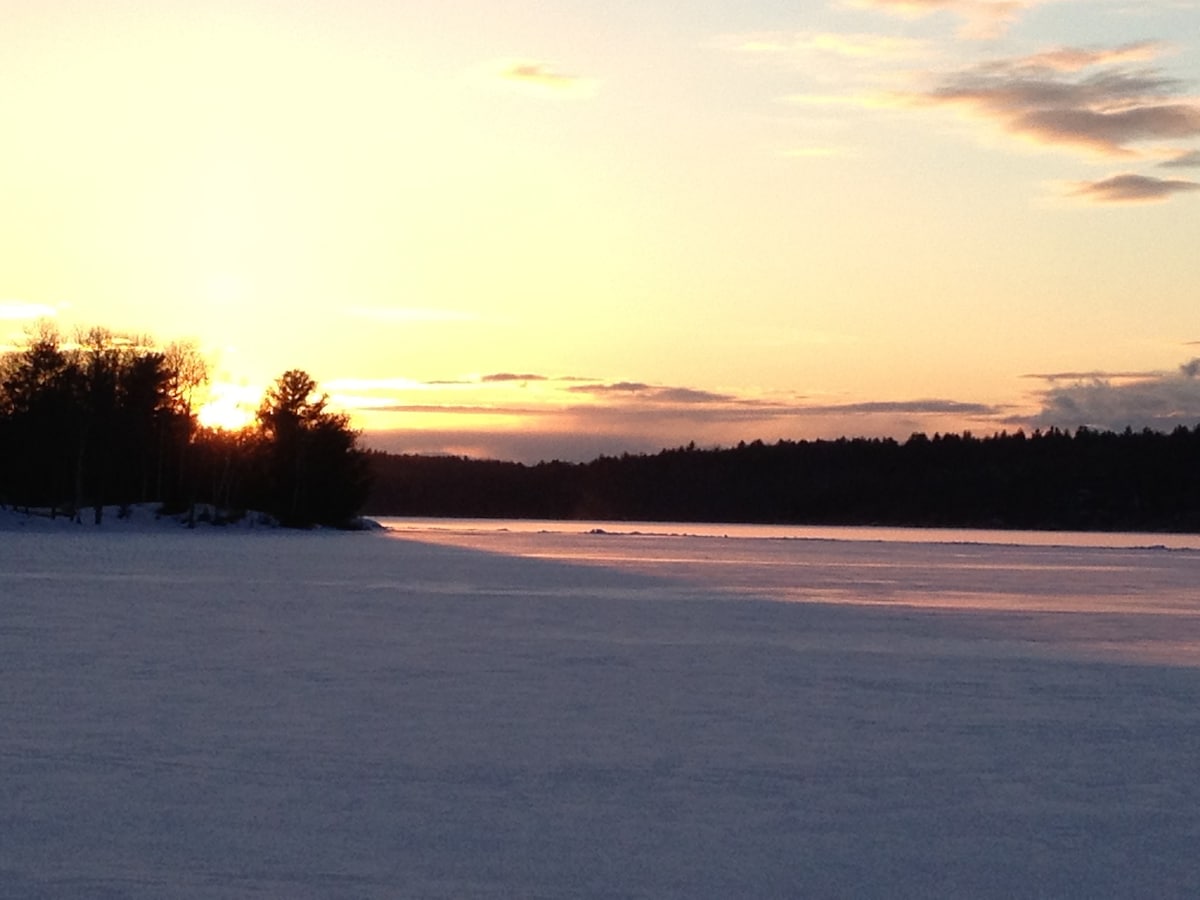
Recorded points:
535,229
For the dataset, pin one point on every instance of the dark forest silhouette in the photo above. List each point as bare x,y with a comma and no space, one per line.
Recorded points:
105,420
1088,480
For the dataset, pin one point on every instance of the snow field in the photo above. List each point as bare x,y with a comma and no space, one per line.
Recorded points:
271,714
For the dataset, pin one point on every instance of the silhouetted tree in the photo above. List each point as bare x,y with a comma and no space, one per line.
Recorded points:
90,422
223,467
38,404
97,371
108,419
314,472
186,371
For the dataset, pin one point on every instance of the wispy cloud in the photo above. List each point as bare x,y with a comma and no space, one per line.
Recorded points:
1160,401
1093,375
529,416
1075,59
650,393
503,377
1106,102
1130,188
1103,111
1188,160
933,407
980,19
540,79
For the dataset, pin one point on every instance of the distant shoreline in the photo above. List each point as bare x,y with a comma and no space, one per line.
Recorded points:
1047,481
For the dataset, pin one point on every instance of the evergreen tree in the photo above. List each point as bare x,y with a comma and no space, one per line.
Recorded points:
315,474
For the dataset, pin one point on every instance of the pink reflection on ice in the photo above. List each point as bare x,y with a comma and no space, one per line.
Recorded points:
1126,596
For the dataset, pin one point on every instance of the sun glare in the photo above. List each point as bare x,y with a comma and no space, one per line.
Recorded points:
224,415
229,408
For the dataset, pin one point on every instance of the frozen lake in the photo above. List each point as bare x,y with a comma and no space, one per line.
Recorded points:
457,710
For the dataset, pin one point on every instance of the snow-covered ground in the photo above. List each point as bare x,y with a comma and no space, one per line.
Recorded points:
482,713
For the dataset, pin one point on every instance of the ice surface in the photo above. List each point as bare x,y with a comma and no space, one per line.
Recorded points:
275,714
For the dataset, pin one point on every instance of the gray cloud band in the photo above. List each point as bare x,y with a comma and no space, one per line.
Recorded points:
1085,100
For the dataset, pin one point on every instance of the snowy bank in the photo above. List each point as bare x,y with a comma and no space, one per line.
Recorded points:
145,518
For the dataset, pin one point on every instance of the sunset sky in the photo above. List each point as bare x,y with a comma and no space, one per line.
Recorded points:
553,228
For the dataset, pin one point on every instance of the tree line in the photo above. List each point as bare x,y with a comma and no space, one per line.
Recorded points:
104,420
1053,479
107,420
